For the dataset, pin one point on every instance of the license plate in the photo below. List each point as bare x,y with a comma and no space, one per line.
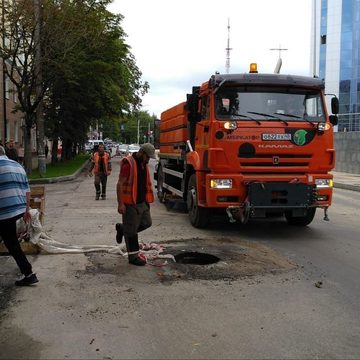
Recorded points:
276,137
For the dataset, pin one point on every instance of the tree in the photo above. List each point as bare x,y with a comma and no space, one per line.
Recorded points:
101,80
18,52
137,125
87,71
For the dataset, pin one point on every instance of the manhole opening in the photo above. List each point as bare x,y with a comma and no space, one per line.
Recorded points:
196,258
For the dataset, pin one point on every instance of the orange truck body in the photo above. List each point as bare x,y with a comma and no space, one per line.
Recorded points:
237,146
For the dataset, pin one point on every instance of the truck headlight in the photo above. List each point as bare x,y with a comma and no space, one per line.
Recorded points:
221,183
321,127
230,125
324,183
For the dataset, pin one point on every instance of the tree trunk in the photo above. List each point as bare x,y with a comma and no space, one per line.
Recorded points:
54,151
27,144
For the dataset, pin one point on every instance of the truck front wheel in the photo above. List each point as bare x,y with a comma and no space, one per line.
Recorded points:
302,220
199,216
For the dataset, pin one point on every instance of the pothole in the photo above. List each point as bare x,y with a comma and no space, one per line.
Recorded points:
196,258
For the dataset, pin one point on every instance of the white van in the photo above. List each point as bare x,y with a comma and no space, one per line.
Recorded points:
89,146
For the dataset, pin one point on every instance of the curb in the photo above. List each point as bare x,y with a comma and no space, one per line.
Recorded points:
60,178
346,186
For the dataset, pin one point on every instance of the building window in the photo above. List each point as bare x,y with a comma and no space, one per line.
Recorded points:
7,87
16,132
15,95
7,130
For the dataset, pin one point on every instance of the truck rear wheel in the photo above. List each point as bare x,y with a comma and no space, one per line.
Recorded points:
199,216
302,220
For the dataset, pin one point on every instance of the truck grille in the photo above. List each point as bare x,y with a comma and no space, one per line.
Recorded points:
275,162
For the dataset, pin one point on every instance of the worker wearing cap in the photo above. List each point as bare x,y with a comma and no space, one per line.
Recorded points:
134,194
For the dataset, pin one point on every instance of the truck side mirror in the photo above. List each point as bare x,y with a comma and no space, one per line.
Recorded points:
333,119
192,103
335,105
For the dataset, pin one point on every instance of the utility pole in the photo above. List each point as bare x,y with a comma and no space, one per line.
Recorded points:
3,73
39,89
228,49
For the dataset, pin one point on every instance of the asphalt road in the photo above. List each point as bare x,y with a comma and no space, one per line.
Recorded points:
277,292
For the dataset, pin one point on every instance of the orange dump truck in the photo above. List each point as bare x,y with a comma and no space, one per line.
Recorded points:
251,145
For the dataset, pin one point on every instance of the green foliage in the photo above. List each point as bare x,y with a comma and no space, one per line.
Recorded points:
63,168
88,74
99,79
130,122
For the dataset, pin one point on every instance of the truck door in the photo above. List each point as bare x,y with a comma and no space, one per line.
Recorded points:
203,128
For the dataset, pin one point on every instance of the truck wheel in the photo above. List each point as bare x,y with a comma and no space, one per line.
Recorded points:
302,220
160,183
199,216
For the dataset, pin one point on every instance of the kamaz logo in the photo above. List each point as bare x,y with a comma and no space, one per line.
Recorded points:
276,160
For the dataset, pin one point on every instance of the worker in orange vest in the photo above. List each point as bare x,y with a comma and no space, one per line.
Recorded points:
134,195
101,167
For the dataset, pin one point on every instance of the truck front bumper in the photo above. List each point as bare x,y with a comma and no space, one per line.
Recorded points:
269,192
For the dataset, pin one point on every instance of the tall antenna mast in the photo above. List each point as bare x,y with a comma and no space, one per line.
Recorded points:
279,62
228,48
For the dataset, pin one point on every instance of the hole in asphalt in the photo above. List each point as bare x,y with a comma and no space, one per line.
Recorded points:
196,258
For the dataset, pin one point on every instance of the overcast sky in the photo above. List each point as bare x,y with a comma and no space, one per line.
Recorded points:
180,44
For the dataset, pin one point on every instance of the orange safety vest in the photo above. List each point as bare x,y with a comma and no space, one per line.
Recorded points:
96,159
129,189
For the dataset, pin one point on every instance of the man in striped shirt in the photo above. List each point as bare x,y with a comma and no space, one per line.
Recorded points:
14,204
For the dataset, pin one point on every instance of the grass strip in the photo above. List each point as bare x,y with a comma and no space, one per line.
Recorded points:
62,168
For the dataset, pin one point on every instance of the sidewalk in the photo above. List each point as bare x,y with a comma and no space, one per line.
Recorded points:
346,181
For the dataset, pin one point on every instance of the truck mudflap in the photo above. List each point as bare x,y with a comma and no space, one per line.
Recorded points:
264,198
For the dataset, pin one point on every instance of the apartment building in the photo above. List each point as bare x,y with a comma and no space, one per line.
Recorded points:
11,124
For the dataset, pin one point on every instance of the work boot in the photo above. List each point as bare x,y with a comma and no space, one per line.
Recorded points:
97,197
27,280
137,259
103,196
119,233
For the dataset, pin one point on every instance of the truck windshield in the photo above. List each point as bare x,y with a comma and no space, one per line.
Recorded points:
267,103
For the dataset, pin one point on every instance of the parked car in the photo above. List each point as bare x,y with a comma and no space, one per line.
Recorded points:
122,150
92,145
133,148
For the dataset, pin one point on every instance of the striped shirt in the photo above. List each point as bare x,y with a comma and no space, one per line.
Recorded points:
13,188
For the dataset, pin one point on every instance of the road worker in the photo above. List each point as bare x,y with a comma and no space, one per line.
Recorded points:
134,195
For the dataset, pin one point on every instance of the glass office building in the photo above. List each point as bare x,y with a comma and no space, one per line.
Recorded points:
336,55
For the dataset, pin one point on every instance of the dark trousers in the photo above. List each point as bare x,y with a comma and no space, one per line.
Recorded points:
136,219
100,179
8,234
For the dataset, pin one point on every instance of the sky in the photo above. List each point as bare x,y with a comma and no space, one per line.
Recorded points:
180,44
